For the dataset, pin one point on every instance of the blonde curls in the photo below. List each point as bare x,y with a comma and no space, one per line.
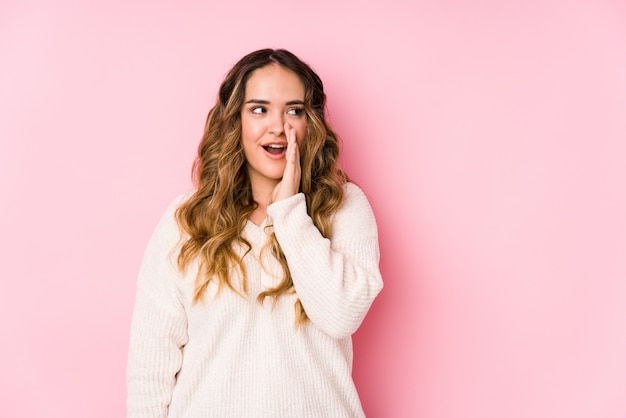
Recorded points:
213,218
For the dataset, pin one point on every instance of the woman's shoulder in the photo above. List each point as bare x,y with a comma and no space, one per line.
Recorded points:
356,211
174,203
168,224
354,195
352,188
179,199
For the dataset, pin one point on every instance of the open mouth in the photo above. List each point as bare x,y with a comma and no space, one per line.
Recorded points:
275,149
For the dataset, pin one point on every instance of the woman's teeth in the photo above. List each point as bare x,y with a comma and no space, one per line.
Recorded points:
275,148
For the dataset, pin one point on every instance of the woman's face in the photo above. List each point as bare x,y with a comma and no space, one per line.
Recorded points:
274,98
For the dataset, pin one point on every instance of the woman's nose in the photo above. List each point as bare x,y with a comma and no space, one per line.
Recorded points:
277,124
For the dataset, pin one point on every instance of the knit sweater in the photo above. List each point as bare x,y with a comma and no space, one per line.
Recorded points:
229,355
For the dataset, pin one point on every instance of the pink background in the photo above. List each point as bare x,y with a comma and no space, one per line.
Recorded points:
490,137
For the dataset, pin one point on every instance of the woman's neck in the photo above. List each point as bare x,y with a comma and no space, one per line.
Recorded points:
262,195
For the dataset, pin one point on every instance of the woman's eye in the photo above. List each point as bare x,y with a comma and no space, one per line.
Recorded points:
296,111
258,110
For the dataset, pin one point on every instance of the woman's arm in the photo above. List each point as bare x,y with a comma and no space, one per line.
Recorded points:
336,280
159,327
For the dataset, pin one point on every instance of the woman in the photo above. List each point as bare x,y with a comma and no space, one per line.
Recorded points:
252,285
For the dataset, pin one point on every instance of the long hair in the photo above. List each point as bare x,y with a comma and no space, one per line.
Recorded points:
214,216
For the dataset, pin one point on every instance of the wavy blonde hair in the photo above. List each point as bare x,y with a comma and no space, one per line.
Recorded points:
214,216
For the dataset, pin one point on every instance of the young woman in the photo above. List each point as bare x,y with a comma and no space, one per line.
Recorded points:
252,285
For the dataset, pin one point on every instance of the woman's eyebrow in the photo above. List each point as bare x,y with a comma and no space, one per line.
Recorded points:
258,101
289,103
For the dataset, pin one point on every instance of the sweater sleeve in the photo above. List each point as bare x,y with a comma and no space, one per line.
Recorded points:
159,326
336,280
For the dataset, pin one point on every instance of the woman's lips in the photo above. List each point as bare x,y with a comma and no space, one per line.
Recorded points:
275,149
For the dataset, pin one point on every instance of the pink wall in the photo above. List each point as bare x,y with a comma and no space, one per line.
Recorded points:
490,137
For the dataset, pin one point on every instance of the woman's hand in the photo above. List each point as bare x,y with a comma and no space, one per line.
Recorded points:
289,185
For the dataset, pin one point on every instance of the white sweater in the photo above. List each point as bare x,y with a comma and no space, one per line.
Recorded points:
231,356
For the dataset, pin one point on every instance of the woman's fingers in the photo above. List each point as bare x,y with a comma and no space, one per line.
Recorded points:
290,182
291,176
